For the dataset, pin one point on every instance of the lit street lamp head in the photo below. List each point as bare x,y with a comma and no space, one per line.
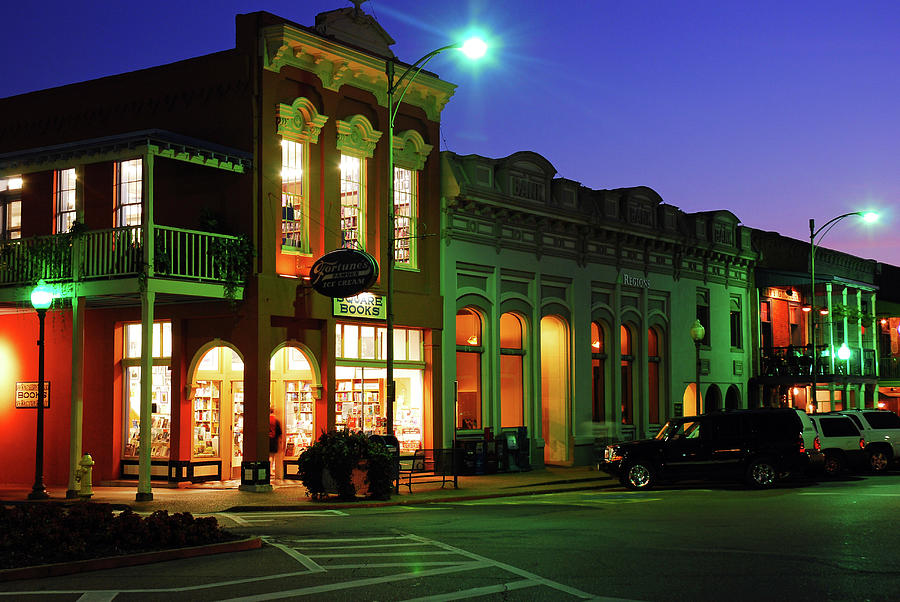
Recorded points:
41,296
474,48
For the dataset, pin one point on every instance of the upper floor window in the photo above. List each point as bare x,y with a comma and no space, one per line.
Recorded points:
405,208
356,143
410,154
64,201
352,202
294,205
127,193
737,340
10,208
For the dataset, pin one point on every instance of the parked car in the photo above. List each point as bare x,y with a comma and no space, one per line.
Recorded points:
881,429
757,446
841,441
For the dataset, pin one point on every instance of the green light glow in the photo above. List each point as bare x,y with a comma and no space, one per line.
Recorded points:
843,352
474,48
41,296
869,216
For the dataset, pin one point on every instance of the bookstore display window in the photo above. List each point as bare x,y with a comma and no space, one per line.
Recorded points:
293,195
217,408
291,389
468,369
352,198
161,409
360,398
405,203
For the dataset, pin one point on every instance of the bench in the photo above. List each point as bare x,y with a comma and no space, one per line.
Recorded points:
427,466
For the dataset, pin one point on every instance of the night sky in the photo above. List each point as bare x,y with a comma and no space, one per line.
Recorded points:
778,111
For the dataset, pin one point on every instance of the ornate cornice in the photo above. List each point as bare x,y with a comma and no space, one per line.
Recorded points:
335,65
300,121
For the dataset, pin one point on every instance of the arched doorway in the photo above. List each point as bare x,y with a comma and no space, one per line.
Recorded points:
554,390
217,411
689,400
732,398
713,399
293,388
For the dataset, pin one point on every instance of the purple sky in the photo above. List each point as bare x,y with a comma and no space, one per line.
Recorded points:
778,111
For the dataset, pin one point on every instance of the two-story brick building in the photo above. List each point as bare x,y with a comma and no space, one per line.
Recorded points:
242,167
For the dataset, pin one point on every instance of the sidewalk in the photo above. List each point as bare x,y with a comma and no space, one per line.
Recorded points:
224,496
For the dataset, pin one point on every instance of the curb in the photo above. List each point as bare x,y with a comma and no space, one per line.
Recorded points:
112,562
316,506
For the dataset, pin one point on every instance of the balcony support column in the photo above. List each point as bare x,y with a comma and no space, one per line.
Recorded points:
77,411
144,492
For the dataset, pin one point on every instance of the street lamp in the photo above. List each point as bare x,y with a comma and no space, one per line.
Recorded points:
697,334
473,48
868,217
41,298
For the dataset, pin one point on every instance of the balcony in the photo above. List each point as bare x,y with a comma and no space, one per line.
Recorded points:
180,257
794,364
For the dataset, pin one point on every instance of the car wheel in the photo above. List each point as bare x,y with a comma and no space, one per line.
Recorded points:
833,465
761,473
638,475
878,460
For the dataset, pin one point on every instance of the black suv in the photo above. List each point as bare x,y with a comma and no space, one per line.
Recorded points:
758,446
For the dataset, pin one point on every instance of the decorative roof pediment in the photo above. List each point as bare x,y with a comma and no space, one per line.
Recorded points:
410,150
336,64
357,136
300,121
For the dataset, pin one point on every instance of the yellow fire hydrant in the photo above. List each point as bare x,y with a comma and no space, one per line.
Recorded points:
84,475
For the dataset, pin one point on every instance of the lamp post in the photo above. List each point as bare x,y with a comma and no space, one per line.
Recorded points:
473,48
869,217
41,297
697,334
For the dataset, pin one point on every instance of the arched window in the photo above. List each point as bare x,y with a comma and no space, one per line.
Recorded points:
626,372
598,373
469,348
653,375
512,356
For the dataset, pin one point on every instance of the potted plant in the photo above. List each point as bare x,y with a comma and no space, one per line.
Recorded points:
329,464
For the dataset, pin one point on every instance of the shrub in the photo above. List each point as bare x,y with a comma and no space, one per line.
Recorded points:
44,533
339,452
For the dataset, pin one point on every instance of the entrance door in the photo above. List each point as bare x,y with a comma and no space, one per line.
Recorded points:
237,428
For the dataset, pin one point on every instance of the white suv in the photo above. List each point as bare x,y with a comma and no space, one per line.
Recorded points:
842,443
881,429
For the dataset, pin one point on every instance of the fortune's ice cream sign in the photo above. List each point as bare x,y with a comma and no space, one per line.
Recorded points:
343,273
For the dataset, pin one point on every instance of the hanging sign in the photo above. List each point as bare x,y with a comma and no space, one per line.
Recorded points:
343,273
27,395
365,305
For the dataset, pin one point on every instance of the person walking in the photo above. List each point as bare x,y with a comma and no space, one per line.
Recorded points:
274,442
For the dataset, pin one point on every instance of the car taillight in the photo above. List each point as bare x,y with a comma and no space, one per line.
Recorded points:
862,443
817,445
801,444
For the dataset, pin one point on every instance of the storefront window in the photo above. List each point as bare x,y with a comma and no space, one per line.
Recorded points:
468,369
161,389
653,364
627,361
292,386
598,373
512,355
360,399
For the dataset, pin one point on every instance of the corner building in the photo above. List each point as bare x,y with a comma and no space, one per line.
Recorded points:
243,167
568,310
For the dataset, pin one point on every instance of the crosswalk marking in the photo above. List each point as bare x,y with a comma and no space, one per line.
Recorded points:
255,518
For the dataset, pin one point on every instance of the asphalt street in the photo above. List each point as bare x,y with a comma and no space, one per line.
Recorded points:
811,541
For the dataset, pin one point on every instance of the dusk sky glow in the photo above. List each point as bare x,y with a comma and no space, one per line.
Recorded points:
776,111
